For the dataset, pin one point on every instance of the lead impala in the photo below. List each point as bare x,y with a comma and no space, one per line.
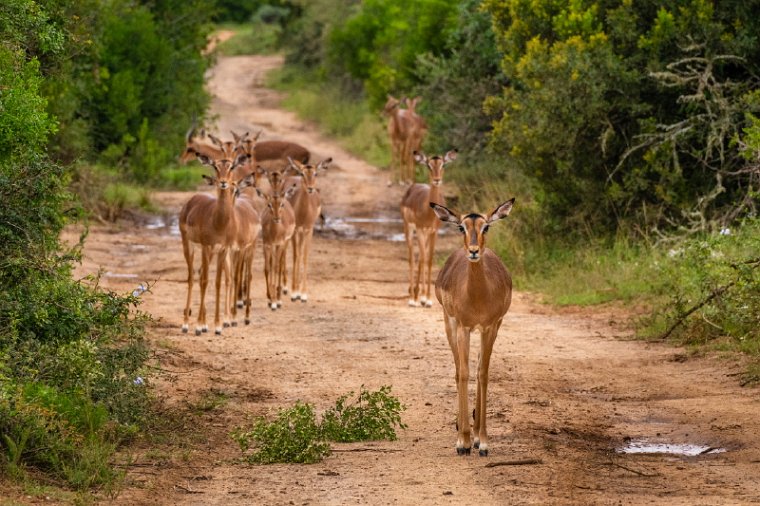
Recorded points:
475,290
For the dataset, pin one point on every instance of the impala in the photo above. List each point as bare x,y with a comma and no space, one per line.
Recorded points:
307,207
211,223
475,291
406,130
194,144
277,227
421,221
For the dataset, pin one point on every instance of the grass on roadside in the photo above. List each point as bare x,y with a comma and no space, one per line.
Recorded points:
359,130
253,37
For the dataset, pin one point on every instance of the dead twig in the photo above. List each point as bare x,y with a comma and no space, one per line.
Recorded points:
380,450
520,462
635,471
187,490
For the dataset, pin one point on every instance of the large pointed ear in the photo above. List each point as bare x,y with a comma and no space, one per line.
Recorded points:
450,156
502,211
414,101
215,140
324,163
211,181
290,191
237,138
202,133
295,166
261,171
245,182
258,134
420,158
241,159
204,159
444,213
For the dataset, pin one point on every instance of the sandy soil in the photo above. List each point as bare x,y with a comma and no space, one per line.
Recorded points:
568,388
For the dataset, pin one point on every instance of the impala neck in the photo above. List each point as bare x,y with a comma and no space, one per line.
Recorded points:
435,194
223,212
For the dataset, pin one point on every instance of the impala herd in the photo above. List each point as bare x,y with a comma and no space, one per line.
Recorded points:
269,189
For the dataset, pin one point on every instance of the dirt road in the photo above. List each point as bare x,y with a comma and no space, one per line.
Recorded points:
568,388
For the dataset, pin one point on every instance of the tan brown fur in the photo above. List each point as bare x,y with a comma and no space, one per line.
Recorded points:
307,206
421,223
475,290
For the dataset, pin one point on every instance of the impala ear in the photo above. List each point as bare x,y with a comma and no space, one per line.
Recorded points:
420,158
450,156
241,159
204,159
258,134
444,213
245,182
502,211
238,138
324,163
202,133
261,193
290,191
215,140
209,180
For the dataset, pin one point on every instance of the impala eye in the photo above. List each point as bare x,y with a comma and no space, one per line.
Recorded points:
461,229
485,229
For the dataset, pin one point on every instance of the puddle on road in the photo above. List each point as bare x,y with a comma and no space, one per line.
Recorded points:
349,228
640,446
353,228
168,224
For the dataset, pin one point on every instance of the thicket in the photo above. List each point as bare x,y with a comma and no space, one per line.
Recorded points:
93,82
626,129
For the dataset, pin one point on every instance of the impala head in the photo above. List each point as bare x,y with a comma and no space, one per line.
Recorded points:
308,172
246,142
225,176
188,154
229,148
473,226
391,105
435,164
276,202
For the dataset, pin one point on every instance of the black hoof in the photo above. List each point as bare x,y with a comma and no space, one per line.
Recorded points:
218,332
204,330
476,444
234,324
247,321
184,330
464,451
197,332
303,300
483,453
240,305
226,324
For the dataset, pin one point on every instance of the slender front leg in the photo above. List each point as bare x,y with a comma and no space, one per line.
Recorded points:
189,251
430,255
305,272
269,275
206,254
421,260
296,257
221,271
488,337
461,336
409,235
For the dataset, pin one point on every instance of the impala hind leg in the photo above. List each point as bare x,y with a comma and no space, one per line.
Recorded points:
421,261
222,272
295,292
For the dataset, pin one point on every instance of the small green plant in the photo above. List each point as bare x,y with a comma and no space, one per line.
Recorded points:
295,435
368,416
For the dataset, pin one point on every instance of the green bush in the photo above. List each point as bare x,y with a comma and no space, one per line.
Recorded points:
293,436
370,416
296,436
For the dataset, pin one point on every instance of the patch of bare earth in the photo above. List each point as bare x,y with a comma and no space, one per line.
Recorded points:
566,389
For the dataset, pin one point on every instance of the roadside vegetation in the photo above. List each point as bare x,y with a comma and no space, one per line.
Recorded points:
94,101
628,134
296,435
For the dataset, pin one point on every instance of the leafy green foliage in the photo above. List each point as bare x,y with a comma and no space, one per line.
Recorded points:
369,416
293,436
296,436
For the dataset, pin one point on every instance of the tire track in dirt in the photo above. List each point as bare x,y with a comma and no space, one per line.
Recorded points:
566,386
